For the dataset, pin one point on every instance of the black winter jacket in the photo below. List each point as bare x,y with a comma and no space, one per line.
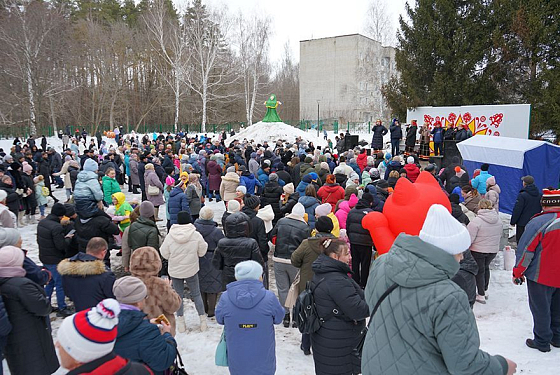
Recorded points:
286,208
12,199
5,325
51,241
258,231
357,234
465,277
341,301
86,280
411,133
30,348
209,278
458,214
100,225
235,248
289,233
377,140
271,195
396,131
284,176
527,205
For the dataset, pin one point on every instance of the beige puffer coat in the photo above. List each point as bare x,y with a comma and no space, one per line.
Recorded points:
230,182
182,247
486,231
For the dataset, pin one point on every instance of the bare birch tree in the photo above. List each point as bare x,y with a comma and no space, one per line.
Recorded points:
253,35
378,23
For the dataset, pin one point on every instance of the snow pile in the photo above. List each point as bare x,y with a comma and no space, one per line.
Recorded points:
273,131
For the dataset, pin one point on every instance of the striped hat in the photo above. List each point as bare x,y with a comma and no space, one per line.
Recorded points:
550,198
90,334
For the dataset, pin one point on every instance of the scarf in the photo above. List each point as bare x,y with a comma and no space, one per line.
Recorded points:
12,272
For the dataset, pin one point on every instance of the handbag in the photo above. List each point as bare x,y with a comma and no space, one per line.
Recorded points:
177,368
293,293
221,358
153,190
358,349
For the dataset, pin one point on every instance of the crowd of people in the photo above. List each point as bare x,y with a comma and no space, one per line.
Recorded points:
291,209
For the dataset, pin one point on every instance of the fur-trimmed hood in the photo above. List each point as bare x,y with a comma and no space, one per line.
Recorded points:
81,265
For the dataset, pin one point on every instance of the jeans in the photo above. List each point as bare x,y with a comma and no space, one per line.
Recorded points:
42,209
361,260
285,275
55,282
483,276
438,148
544,302
265,276
194,287
395,143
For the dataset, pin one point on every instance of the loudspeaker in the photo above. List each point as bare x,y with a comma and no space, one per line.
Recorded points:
449,151
350,141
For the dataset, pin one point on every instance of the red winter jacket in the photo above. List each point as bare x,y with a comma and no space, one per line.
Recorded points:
112,364
361,160
412,172
331,193
538,252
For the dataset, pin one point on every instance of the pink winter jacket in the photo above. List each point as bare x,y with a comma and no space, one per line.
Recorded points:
486,231
343,209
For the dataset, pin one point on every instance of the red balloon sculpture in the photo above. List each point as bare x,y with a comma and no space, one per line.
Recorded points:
404,211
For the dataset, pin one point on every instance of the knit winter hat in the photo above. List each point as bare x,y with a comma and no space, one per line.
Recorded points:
206,213
550,198
233,206
273,177
58,209
308,159
331,179
11,256
169,181
353,176
248,270
298,210
444,231
324,224
147,209
325,165
410,160
323,209
251,201
383,184
314,176
374,173
90,165
27,168
3,195
289,188
9,236
70,209
230,169
90,334
129,289
183,218
242,189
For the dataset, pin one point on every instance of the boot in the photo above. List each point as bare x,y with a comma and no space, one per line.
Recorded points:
21,222
203,325
180,324
31,219
156,214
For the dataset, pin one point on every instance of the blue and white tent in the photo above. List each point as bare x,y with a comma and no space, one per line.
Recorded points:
510,159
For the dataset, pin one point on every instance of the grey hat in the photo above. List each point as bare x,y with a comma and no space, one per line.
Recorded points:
147,209
273,177
9,237
129,289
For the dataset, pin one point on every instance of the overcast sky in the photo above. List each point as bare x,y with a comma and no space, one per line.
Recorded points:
295,20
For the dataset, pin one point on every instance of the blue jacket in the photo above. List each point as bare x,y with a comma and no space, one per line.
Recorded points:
35,273
262,176
87,193
250,182
438,134
127,164
310,204
249,311
86,280
140,341
177,202
479,182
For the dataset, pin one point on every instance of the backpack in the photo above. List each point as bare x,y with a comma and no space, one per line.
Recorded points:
305,310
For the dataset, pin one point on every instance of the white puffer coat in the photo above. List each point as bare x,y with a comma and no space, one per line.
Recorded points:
182,247
486,232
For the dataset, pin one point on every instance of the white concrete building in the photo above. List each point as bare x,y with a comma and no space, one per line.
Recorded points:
345,75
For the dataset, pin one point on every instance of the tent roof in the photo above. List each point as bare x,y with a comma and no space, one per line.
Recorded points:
504,151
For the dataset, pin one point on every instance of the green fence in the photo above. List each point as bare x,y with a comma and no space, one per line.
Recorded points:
22,130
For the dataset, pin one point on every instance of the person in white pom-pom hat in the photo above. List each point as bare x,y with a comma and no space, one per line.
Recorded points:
86,339
423,323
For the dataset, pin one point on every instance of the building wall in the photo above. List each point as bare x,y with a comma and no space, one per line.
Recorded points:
345,74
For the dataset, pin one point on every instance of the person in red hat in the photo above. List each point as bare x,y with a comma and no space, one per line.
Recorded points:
538,262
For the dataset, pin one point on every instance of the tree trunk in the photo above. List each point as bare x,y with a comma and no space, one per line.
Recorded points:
53,115
31,96
204,106
177,94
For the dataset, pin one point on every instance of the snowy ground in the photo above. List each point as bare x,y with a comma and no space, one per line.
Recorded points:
504,322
